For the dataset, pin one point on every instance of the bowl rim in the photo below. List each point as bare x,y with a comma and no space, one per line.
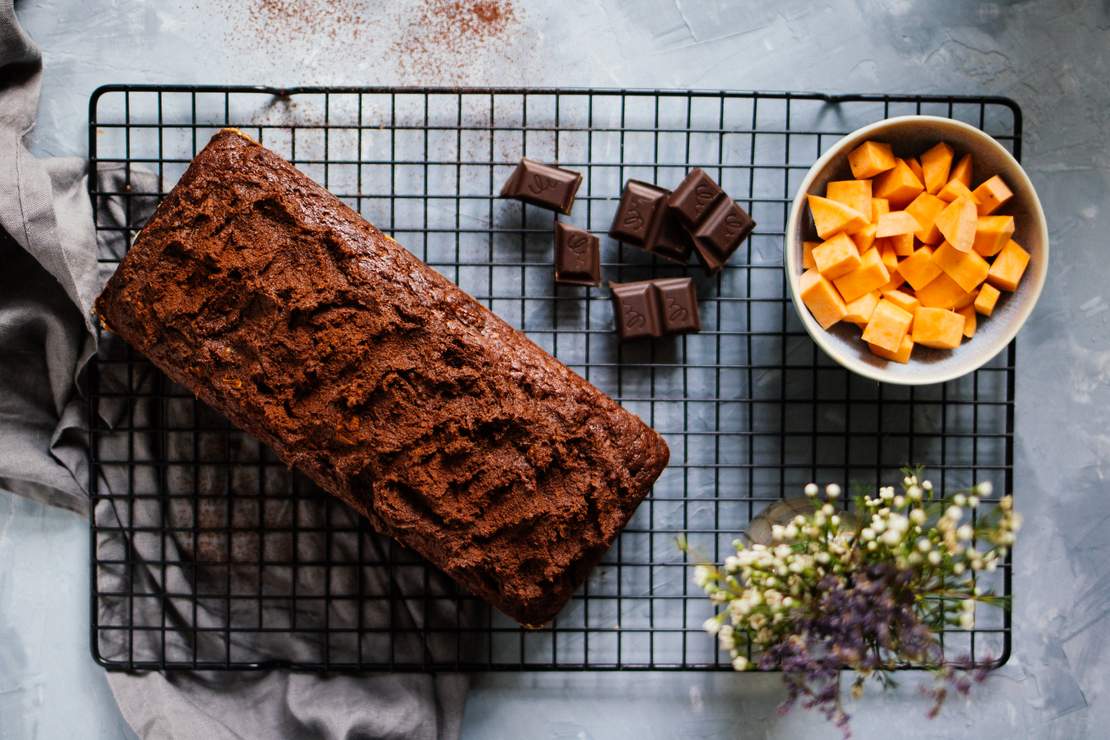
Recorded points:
792,250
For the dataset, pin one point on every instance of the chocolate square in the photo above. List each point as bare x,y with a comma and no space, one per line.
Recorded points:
543,185
636,306
679,305
577,256
694,197
638,213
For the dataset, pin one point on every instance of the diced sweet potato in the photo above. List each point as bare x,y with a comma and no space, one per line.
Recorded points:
860,310
987,299
970,322
936,164
957,223
897,223
902,243
962,171
925,208
941,292
968,269
870,158
903,353
1008,267
915,167
831,217
904,301
890,259
992,233
865,238
821,298
807,255
938,328
919,269
837,256
899,186
879,206
870,275
856,194
956,189
888,326
967,300
992,194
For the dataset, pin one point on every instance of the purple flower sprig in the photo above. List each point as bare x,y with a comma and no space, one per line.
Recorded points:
867,591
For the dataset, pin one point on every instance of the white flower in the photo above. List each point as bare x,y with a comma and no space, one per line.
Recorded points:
1015,521
934,558
872,546
834,520
899,502
701,575
959,499
828,510
927,485
800,520
739,608
777,531
757,620
923,545
886,494
787,602
711,625
892,537
740,663
967,620
954,513
965,532
914,558
914,492
958,568
967,605
867,534
898,522
791,531
908,481
973,501
985,488
832,491
822,557
811,489
918,516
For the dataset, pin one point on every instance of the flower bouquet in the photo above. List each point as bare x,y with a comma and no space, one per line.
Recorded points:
867,591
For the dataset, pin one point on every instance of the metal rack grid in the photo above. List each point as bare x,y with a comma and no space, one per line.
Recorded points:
208,553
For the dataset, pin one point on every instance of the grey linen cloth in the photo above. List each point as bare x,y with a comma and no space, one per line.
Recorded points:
49,277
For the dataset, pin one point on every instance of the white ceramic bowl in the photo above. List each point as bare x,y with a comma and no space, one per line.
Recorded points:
911,135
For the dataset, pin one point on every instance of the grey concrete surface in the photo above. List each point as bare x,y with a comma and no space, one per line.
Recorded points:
1052,56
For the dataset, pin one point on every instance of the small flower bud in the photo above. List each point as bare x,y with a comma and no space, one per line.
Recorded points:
959,499
967,620
828,510
958,568
973,501
965,532
811,489
899,502
985,488
740,663
918,516
777,532
711,625
934,558
923,544
832,491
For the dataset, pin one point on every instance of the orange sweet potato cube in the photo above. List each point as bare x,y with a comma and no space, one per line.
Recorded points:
915,168
925,208
903,300
992,194
967,300
831,217
987,299
992,233
899,185
941,292
856,194
968,269
890,259
919,269
865,238
879,206
970,321
903,353
870,158
897,223
821,298
938,328
870,275
807,255
936,164
902,243
860,310
888,326
957,223
837,256
962,171
1008,267
956,189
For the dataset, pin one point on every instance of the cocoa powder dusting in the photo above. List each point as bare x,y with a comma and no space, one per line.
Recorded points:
442,37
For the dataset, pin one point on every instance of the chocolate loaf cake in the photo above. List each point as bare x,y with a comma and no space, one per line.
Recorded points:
386,384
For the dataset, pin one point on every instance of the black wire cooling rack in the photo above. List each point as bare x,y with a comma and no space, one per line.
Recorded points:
208,553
